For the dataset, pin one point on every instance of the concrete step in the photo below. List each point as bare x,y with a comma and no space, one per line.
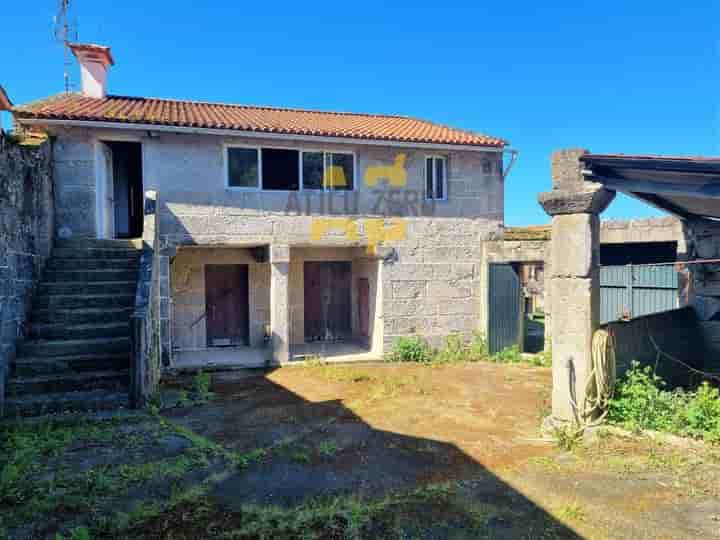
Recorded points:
130,243
96,253
126,274
68,301
92,400
30,366
55,263
116,380
81,316
87,287
64,347
79,331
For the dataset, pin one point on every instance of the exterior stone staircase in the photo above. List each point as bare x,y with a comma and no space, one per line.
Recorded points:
76,355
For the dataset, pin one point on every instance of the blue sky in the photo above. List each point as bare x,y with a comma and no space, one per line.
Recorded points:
631,77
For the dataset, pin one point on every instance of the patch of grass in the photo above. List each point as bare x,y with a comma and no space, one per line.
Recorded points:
328,448
300,456
572,512
79,533
411,349
568,437
509,355
642,402
338,372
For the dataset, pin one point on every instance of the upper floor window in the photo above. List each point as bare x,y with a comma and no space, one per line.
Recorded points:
243,168
328,170
436,178
288,169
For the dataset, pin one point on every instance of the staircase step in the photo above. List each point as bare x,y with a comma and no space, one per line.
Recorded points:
79,331
64,347
96,253
87,287
30,366
83,301
55,263
116,380
81,316
98,243
127,274
92,400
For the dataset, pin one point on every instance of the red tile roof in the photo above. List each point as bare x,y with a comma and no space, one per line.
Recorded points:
194,114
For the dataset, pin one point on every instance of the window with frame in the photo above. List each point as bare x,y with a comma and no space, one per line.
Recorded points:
436,178
328,171
243,168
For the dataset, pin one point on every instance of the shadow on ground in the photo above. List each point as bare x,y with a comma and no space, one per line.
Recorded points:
262,460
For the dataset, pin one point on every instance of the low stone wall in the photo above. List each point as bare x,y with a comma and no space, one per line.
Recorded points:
26,233
676,332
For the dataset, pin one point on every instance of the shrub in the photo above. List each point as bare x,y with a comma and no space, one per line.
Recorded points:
411,349
641,402
703,413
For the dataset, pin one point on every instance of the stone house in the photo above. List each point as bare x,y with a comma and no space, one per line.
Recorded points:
276,233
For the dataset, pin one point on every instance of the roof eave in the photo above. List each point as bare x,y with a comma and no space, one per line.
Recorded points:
24,116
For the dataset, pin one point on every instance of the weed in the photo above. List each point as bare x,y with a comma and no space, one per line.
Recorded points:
411,349
201,385
454,350
328,448
572,512
300,457
79,533
568,437
642,402
509,355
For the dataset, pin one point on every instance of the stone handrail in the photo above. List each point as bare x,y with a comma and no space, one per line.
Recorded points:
144,321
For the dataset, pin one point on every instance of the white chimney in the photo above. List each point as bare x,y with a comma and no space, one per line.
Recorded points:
94,63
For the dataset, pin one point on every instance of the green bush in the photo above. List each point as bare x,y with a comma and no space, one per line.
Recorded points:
703,413
642,402
509,355
411,349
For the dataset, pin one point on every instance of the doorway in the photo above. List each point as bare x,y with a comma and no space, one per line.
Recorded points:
120,190
227,305
327,301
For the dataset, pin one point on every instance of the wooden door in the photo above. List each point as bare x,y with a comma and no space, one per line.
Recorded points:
226,305
363,295
327,301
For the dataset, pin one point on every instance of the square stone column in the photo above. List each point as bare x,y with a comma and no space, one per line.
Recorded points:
280,303
574,281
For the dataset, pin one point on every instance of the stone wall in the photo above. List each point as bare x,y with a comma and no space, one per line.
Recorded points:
26,233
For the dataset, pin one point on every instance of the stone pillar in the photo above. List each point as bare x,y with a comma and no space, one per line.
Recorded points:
575,206
280,303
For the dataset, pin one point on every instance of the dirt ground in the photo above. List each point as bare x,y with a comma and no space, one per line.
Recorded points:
371,451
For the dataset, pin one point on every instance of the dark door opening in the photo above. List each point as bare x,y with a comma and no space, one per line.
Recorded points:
226,305
127,192
327,301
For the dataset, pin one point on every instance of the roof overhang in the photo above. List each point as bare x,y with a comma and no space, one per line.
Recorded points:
688,187
160,128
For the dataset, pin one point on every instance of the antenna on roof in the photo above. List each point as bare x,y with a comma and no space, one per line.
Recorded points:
64,32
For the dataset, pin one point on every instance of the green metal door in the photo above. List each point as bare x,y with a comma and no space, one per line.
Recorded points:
504,308
631,291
